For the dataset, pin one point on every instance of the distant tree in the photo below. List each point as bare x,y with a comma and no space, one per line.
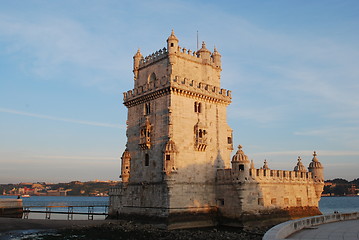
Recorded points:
340,190
339,181
355,181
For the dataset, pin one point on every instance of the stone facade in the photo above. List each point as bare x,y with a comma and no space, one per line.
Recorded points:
176,167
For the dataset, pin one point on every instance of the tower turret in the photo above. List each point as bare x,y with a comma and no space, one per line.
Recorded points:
316,168
125,166
172,43
204,53
217,58
241,164
136,63
300,167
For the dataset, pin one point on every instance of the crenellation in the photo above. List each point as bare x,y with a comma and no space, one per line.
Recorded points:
153,57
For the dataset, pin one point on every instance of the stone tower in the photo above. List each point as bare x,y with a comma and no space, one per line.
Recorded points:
177,169
177,134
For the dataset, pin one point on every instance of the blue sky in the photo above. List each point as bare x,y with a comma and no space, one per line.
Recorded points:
292,67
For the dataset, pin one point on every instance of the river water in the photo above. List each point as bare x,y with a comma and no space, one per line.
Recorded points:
327,205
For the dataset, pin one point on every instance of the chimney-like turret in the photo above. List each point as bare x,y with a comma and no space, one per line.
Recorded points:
125,166
217,58
136,63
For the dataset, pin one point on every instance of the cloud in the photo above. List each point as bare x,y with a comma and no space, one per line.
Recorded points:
308,153
96,124
334,131
54,46
77,157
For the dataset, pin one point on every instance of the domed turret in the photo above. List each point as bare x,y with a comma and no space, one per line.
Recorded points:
300,167
172,43
316,168
240,157
241,164
204,53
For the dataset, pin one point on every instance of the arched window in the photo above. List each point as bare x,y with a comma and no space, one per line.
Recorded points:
152,77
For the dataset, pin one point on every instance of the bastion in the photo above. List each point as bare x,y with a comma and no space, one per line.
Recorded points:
177,168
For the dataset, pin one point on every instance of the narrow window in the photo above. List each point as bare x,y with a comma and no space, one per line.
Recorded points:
147,108
147,160
229,140
200,133
241,167
172,45
197,107
168,157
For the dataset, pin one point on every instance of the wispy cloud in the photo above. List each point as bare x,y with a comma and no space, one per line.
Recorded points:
334,131
97,124
308,153
77,157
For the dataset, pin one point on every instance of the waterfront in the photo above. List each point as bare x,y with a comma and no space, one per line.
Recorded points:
79,203
327,205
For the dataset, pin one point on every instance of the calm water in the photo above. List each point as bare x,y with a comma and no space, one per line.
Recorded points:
327,205
80,205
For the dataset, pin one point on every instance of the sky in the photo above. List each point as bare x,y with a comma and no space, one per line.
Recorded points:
292,67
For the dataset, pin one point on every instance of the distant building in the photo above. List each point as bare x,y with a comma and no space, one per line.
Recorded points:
177,166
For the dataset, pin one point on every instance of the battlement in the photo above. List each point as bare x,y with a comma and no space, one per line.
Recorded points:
182,52
205,90
152,58
263,175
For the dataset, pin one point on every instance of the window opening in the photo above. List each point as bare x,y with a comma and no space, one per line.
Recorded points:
147,108
147,160
197,107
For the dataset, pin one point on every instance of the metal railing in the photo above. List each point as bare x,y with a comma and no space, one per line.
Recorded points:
70,211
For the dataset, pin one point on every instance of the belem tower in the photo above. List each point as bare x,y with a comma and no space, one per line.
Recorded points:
177,168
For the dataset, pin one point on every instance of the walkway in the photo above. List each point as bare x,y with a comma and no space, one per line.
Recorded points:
344,230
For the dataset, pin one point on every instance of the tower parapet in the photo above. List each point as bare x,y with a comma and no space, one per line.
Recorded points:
178,85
